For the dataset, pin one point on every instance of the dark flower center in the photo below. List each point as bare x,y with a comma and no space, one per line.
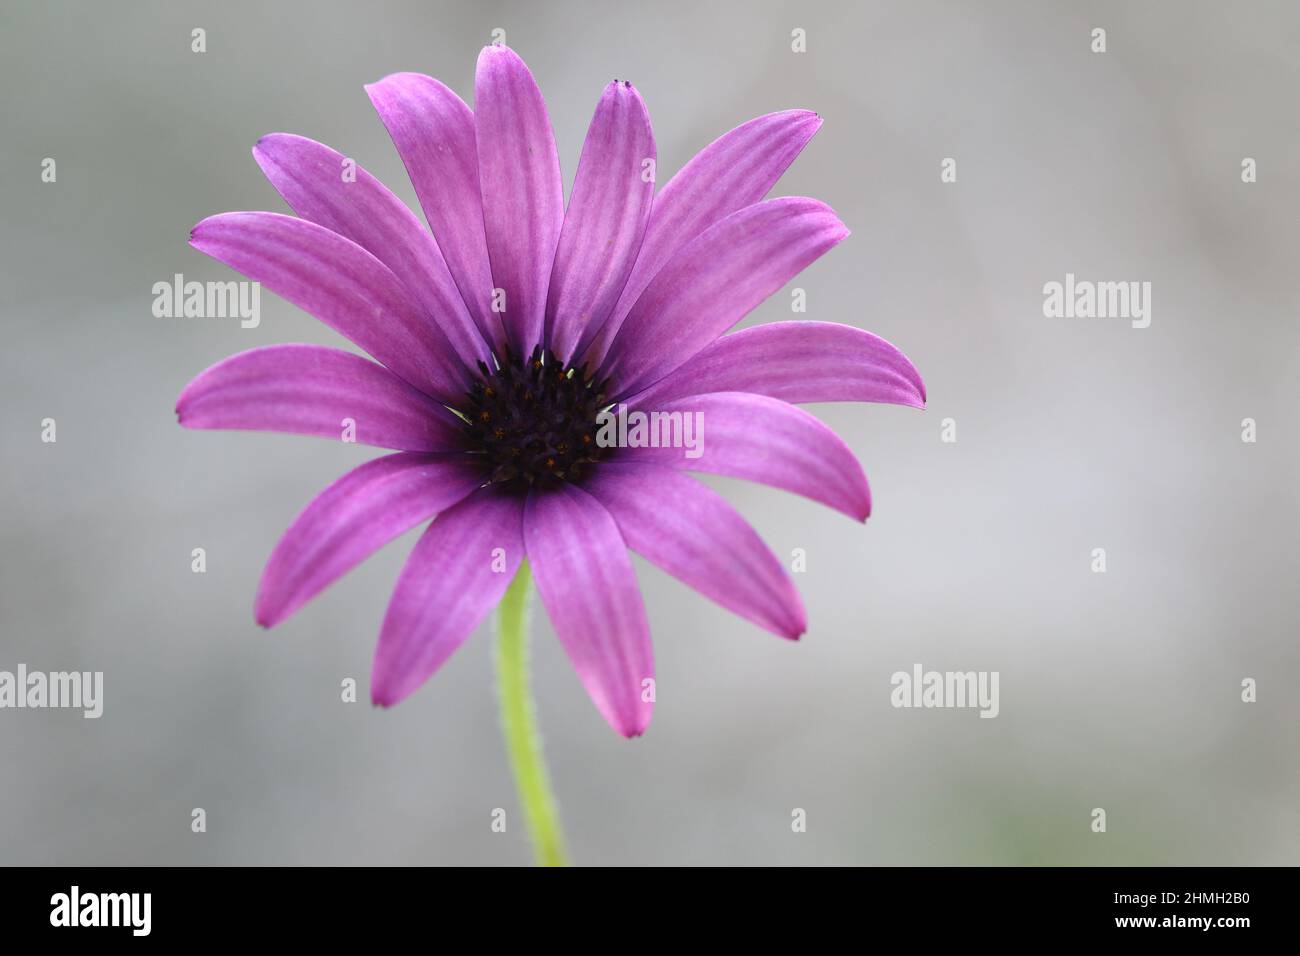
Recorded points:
534,420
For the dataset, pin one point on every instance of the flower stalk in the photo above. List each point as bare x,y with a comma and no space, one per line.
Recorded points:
519,724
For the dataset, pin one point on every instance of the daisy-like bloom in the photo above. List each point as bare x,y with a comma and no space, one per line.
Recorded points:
502,332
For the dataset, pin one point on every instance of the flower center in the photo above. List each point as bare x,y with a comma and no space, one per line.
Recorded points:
534,420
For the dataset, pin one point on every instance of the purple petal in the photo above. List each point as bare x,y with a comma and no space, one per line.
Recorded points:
311,390
451,581
766,440
606,217
523,197
711,283
341,284
310,177
690,531
351,519
734,171
585,580
433,131
796,362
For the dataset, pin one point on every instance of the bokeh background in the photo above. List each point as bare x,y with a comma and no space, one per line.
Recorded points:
1118,690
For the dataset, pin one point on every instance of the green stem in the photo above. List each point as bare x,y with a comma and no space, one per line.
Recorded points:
519,724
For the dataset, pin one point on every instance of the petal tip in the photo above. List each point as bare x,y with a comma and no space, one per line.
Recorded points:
799,626
397,77
792,630
497,50
389,688
796,615
631,726
267,611
382,696
199,228
264,147
860,510
183,417
808,122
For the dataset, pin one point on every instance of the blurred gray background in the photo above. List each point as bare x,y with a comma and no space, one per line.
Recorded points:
1118,690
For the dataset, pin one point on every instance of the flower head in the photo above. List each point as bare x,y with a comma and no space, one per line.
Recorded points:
500,336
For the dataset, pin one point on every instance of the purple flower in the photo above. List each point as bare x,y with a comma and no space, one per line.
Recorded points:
500,335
